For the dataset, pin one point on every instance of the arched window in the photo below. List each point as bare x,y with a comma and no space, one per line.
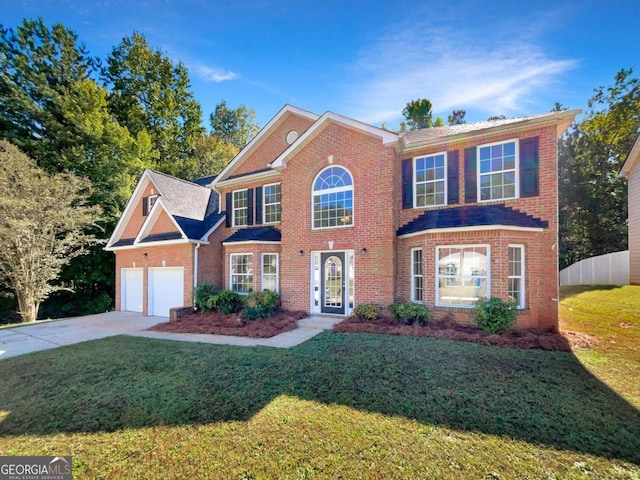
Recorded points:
333,198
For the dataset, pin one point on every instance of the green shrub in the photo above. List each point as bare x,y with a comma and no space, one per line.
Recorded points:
410,313
227,301
494,315
204,291
260,304
366,311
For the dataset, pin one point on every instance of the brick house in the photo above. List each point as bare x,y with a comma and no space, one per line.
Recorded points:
631,171
332,212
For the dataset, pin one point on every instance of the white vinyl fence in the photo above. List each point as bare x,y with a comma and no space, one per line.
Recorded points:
609,269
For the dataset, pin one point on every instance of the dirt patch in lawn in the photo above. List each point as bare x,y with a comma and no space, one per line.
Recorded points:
520,338
222,324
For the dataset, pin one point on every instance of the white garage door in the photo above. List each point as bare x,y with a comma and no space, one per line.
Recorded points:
166,290
131,289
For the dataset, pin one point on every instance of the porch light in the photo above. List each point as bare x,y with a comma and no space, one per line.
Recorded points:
363,251
301,253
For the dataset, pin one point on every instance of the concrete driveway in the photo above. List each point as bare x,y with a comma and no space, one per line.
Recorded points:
43,336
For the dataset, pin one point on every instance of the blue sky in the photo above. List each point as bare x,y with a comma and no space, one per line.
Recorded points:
367,59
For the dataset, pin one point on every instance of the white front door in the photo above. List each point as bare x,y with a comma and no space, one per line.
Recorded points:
166,290
131,289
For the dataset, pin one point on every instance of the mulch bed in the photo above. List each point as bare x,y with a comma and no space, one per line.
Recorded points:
520,338
233,324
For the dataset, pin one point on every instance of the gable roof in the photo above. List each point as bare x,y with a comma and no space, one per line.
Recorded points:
193,209
484,216
632,159
386,136
428,136
262,134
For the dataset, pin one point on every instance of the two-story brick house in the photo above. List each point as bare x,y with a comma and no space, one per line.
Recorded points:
332,212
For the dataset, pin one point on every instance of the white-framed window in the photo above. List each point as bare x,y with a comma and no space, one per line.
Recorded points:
241,272
271,203
462,275
240,207
416,275
498,171
430,180
270,271
152,201
516,290
333,198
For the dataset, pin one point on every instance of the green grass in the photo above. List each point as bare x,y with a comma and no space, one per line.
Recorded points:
338,406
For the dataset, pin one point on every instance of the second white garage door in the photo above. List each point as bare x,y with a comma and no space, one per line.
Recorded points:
166,290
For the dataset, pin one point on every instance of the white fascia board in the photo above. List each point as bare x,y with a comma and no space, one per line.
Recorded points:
263,133
387,137
561,119
152,217
131,204
631,160
161,243
249,242
211,230
479,228
232,182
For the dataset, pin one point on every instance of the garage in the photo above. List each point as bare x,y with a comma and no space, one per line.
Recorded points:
131,288
166,290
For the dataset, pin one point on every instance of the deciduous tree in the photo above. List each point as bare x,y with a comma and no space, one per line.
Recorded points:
43,220
418,114
235,126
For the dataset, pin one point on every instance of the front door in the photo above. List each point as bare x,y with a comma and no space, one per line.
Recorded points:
332,275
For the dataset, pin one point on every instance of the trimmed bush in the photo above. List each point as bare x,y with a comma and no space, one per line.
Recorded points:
227,301
410,313
494,315
260,304
204,291
366,311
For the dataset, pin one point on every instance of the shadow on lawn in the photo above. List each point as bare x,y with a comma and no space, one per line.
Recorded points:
122,382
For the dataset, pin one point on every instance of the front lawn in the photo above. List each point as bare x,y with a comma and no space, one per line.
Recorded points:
341,405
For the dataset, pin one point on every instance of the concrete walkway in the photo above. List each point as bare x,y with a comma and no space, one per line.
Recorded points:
23,339
307,328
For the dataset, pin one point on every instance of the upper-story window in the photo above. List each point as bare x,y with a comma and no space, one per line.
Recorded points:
240,208
333,198
272,202
498,172
430,180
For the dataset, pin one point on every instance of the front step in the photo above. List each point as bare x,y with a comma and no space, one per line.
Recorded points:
319,323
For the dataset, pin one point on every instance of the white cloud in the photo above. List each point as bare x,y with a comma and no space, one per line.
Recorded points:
454,68
211,74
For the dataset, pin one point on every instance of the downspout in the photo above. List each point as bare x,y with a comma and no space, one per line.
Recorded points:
195,273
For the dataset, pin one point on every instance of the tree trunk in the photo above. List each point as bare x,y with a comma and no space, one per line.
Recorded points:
28,308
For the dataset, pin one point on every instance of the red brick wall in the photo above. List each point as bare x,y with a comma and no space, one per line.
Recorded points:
163,224
274,144
135,222
211,260
540,301
157,256
371,165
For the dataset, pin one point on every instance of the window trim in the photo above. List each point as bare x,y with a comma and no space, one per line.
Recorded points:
233,207
277,274
414,276
333,190
231,274
415,183
516,142
437,273
264,203
521,303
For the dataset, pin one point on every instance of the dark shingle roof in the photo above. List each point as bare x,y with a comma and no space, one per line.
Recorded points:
158,237
204,181
125,242
249,173
471,216
255,234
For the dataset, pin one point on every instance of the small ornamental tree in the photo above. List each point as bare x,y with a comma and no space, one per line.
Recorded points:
42,227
